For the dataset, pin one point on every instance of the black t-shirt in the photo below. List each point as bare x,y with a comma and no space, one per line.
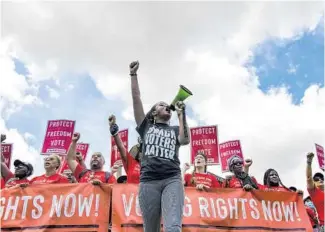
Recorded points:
159,151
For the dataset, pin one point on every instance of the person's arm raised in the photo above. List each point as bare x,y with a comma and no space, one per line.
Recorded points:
71,156
309,172
5,171
184,131
136,96
114,129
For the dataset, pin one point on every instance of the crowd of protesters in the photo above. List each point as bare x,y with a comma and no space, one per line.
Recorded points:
153,163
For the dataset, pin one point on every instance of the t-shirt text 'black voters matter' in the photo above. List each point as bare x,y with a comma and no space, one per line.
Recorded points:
159,151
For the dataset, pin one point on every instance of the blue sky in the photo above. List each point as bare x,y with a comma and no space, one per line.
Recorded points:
295,64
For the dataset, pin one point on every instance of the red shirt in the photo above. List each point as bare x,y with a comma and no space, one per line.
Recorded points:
54,179
11,180
233,182
317,196
202,178
132,169
91,175
312,215
272,188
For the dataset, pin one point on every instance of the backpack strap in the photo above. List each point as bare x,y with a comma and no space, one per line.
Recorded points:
83,172
107,176
228,178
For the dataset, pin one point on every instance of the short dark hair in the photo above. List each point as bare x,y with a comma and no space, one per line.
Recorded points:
293,189
307,199
319,175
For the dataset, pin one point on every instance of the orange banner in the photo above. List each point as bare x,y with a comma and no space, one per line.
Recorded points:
56,207
223,210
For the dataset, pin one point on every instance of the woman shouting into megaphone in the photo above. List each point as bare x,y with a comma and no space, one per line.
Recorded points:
161,190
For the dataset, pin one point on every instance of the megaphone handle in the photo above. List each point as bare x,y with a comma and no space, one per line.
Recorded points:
184,125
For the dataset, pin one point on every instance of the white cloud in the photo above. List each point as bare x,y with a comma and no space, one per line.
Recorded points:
52,92
292,68
29,136
21,149
201,45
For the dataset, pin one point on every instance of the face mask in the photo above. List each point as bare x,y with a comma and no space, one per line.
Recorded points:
310,204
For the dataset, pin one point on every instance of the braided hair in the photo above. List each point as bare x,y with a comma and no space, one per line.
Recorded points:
193,182
266,179
149,115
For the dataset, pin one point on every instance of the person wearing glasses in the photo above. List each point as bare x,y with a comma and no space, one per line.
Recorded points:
315,187
240,177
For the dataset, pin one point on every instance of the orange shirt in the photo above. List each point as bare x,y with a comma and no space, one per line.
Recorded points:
317,196
54,179
91,175
202,178
132,169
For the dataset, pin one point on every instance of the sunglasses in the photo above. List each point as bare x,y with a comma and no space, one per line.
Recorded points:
316,179
238,163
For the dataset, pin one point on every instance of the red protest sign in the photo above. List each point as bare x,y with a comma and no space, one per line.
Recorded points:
227,150
205,139
58,136
82,148
320,156
115,154
6,150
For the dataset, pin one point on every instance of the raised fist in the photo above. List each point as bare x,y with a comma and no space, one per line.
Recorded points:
3,137
310,157
248,162
115,168
113,127
186,167
75,137
134,66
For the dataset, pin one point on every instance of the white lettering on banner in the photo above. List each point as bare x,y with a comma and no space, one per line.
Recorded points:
129,203
61,206
204,131
231,152
57,142
204,142
58,133
207,152
25,199
122,134
230,208
37,213
60,124
5,148
187,209
160,143
81,147
229,144
255,214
